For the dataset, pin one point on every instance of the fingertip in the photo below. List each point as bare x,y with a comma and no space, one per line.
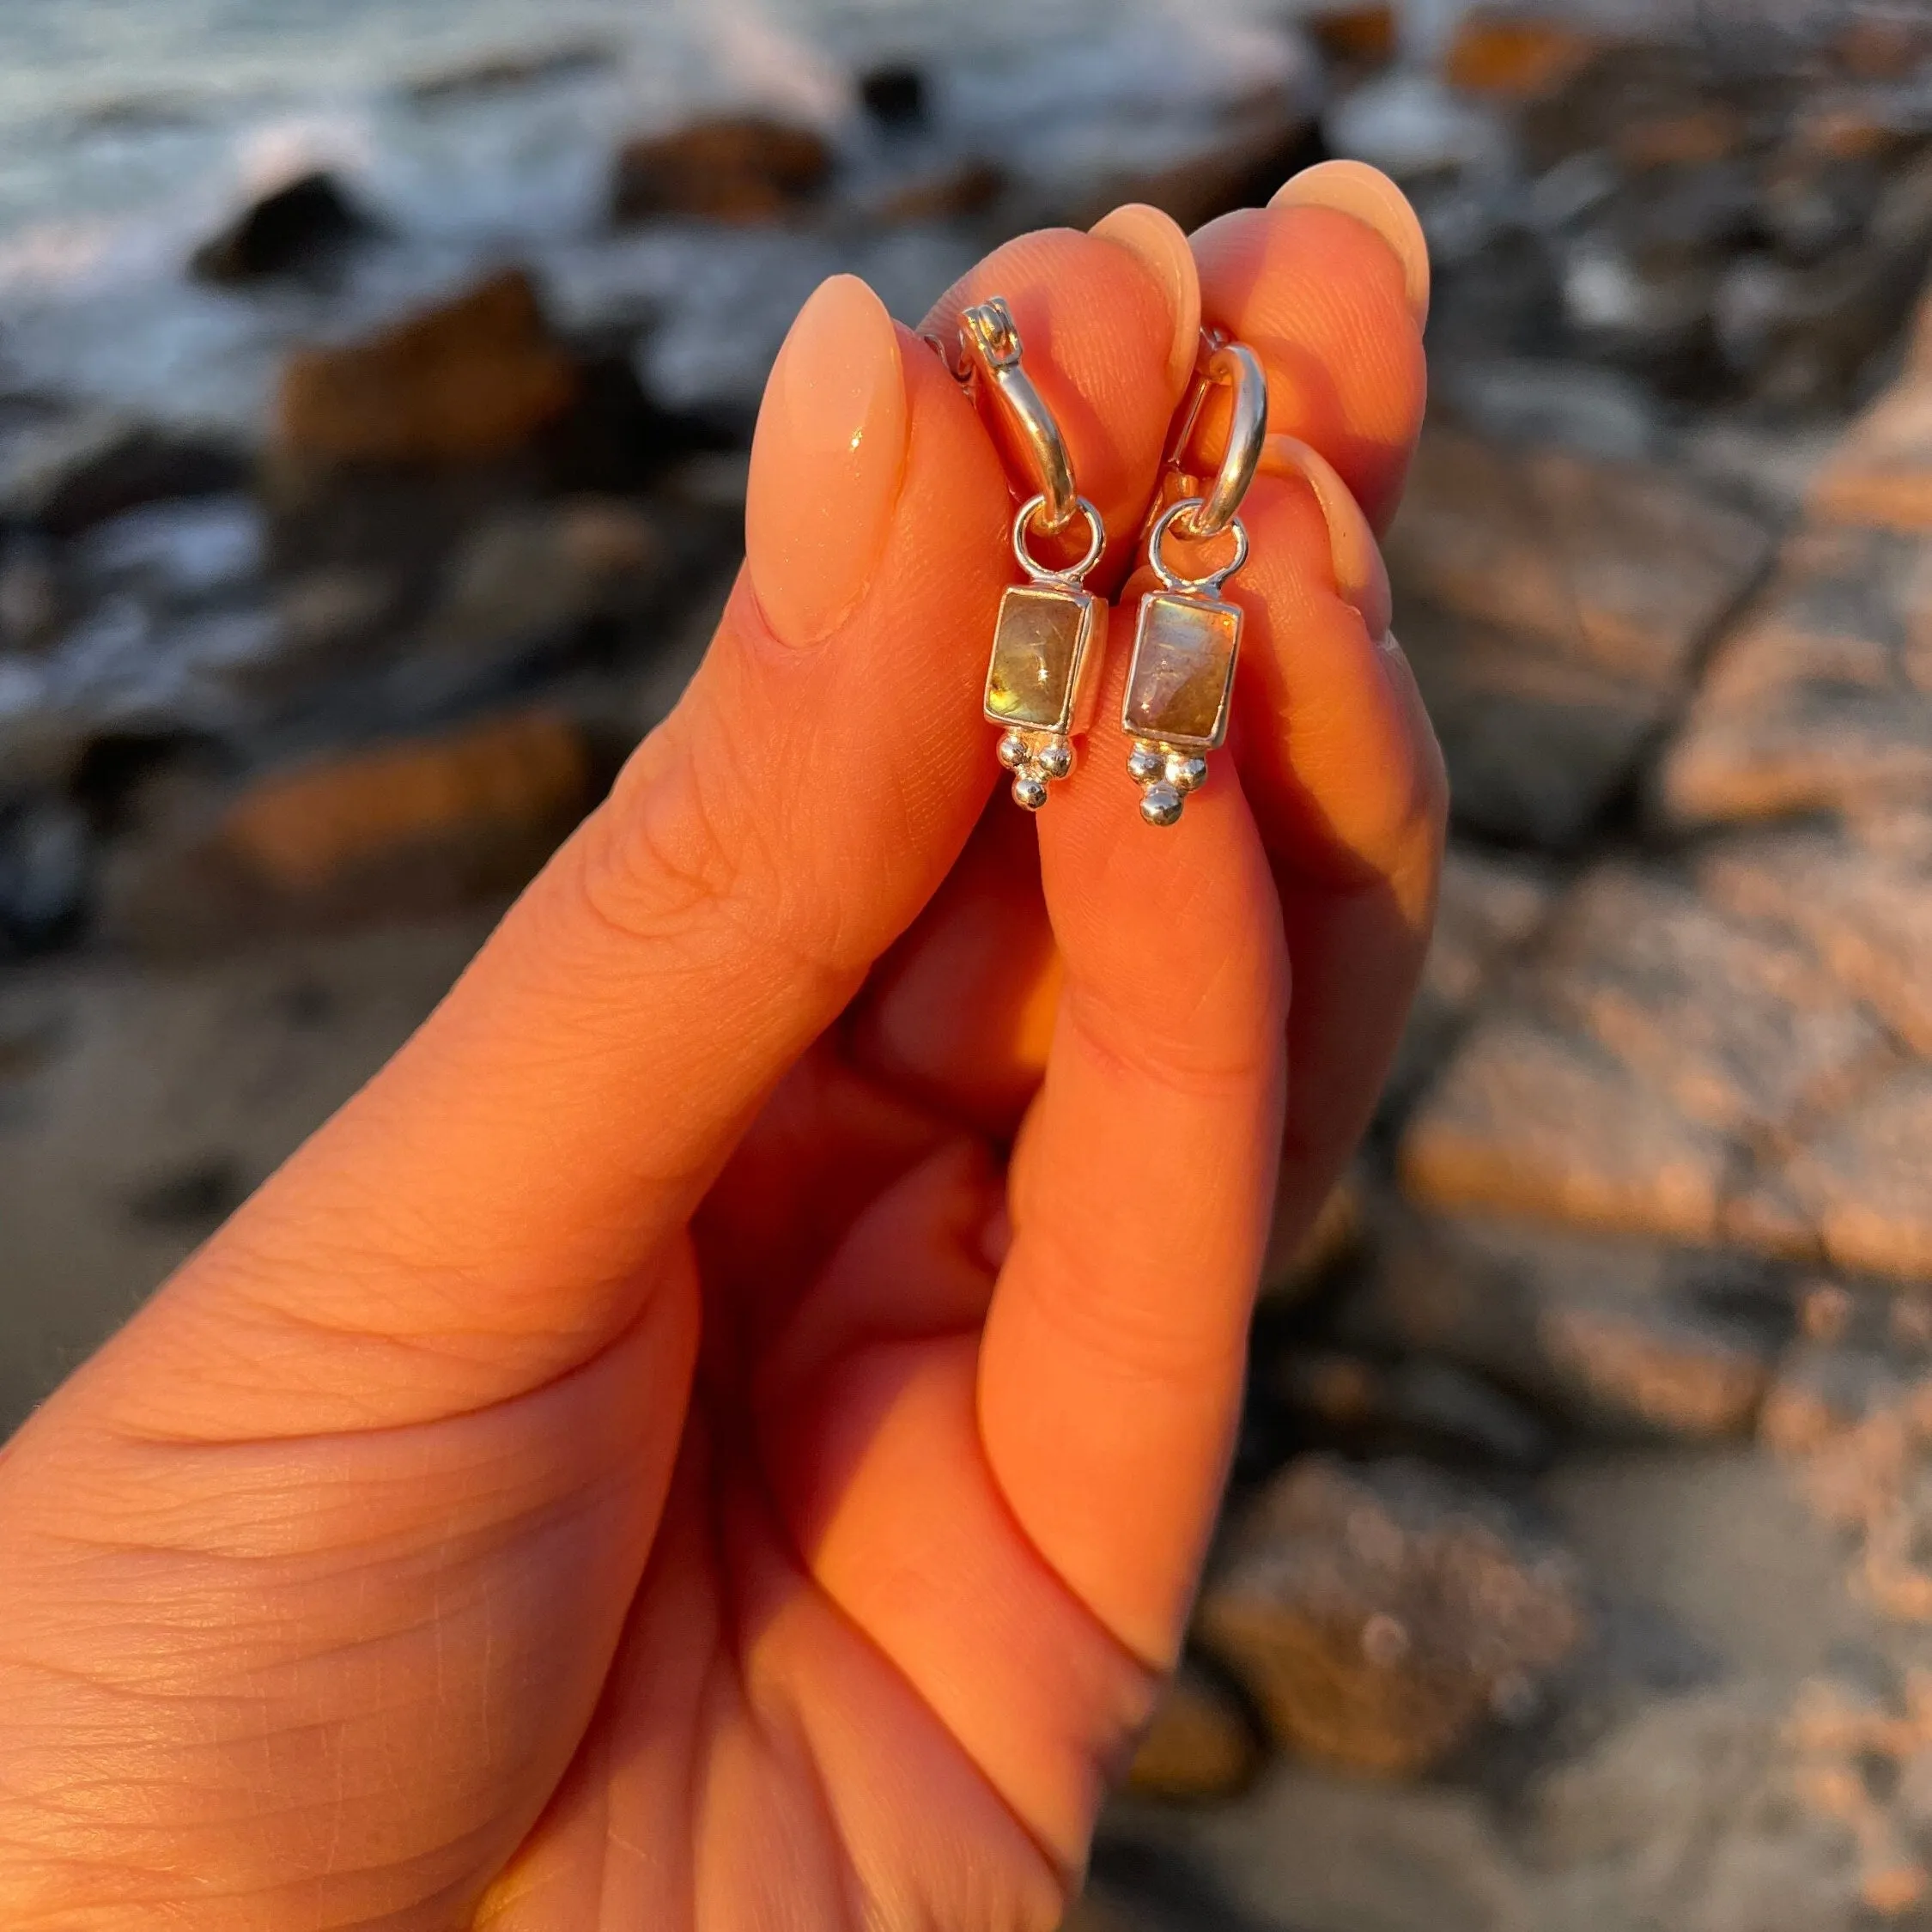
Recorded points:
1155,241
1353,188
828,458
1361,576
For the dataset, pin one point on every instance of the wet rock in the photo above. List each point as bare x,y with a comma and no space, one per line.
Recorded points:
1488,911
1201,1743
511,72
76,471
1380,1616
1514,56
47,853
475,380
1658,1042
405,828
1616,1339
744,169
896,95
298,230
1821,700
1881,473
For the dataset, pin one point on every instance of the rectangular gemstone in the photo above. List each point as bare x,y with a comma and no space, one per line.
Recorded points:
1183,671
1039,652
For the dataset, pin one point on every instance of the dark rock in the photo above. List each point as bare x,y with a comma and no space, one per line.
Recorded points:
1201,1742
299,229
46,854
1380,1616
32,601
511,72
1251,153
1613,1338
744,169
1355,39
196,1199
475,380
956,193
79,471
405,828
895,94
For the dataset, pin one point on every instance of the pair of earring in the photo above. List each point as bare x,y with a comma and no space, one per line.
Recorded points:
1043,674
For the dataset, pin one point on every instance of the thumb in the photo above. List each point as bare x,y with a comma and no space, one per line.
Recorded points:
492,1203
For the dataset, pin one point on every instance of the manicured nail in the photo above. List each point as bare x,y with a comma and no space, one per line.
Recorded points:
1361,576
1157,240
826,462
1352,187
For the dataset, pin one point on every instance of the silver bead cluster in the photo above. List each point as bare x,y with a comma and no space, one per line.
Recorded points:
1035,758
1165,777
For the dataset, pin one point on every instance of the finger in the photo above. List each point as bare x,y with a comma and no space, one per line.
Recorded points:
1111,1368
959,1014
1337,757
489,1208
1329,286
1108,321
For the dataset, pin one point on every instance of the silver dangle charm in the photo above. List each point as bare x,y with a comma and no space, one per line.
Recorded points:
1180,683
1040,681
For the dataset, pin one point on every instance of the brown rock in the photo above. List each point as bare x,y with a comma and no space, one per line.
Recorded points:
1380,1615
1623,1338
1661,1044
735,168
1881,474
1822,699
1688,137
411,827
473,381
1201,1742
1514,56
1625,567
1363,38
957,194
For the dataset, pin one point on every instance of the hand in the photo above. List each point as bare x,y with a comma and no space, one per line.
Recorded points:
724,1429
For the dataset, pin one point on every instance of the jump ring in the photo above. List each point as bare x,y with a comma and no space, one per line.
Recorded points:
988,329
1046,573
1237,365
1209,585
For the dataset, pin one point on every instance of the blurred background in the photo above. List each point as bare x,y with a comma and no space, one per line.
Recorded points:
375,379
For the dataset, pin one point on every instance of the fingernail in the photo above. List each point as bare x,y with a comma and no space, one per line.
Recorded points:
1352,187
1157,241
827,461
1361,576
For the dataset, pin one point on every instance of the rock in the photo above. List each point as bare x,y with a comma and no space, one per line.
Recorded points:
1355,39
297,229
896,95
1619,1339
1361,1405
538,574
511,72
1247,153
1201,1742
1659,1041
475,380
1574,406
1625,565
1379,1616
46,854
31,599
407,828
77,472
1821,699
1881,474
956,193
742,169
1488,910
1514,56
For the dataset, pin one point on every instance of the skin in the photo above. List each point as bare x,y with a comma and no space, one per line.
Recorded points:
723,1430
